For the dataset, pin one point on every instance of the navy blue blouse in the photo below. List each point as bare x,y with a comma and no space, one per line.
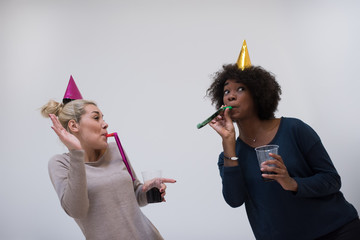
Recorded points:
317,208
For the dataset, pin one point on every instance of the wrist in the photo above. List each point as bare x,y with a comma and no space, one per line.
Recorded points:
293,186
231,157
229,147
229,138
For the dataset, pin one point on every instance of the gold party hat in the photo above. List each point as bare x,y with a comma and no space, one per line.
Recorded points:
244,59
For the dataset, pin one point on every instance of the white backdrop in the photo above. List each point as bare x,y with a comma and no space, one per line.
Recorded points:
148,64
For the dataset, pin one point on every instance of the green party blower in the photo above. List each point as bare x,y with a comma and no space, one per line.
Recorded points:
200,125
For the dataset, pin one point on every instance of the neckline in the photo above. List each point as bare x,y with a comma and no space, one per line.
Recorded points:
271,141
100,160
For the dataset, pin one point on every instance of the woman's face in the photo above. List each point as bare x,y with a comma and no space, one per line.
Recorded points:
92,129
239,98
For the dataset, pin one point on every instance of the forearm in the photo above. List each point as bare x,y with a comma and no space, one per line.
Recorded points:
319,185
71,185
139,193
234,191
325,180
229,151
233,187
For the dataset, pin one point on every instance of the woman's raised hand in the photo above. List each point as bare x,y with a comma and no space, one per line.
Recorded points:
223,125
69,140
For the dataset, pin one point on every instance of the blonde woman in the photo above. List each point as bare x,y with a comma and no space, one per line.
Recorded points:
92,181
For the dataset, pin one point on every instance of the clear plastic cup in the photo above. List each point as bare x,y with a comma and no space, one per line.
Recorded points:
262,154
153,195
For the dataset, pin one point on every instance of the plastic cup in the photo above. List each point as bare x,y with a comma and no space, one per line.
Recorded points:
262,154
153,195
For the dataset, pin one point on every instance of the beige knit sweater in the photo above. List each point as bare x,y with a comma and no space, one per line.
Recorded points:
101,196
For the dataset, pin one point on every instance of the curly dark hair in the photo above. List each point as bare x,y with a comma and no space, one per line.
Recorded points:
262,85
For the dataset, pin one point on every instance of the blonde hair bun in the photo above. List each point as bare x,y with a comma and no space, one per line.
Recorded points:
52,107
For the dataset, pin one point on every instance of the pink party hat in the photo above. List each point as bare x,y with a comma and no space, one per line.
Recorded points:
72,92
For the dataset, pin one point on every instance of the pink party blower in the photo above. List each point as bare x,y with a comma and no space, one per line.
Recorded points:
115,135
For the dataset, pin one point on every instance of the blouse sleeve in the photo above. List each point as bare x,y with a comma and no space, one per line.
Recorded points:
139,193
69,181
324,179
234,190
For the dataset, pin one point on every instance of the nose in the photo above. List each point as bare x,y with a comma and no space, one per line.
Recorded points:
231,97
105,125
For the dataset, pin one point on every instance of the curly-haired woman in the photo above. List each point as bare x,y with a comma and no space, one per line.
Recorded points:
303,200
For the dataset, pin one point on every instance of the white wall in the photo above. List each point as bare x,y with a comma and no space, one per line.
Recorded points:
148,65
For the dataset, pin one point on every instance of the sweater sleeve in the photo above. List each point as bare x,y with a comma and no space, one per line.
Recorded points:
139,193
69,181
234,190
323,178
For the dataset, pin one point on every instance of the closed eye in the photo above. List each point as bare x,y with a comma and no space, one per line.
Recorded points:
97,115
